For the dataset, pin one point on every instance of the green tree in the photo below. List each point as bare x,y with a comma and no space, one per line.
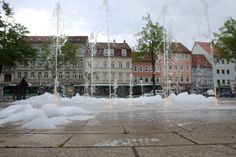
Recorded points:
151,42
13,46
67,53
226,40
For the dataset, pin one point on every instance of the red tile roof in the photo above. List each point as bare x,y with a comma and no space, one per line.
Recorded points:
40,39
200,61
116,46
104,45
180,48
206,46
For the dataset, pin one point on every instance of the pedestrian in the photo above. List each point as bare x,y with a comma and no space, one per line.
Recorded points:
23,85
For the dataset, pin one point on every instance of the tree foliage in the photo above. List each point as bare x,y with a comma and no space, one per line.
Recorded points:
151,42
67,52
13,46
226,39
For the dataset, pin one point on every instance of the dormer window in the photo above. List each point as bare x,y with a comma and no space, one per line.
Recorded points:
105,53
123,52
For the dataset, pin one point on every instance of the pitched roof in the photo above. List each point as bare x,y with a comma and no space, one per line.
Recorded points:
40,39
206,46
104,45
200,61
180,48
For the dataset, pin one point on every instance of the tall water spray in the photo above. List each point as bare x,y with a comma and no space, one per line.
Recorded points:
105,3
130,85
164,12
205,9
58,25
93,38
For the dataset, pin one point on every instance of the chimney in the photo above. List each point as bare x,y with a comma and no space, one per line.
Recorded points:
124,41
114,41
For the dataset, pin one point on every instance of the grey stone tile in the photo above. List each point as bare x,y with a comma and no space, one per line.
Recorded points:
33,140
187,151
212,137
154,128
68,152
100,140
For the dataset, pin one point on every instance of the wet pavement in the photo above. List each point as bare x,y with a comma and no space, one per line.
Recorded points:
150,132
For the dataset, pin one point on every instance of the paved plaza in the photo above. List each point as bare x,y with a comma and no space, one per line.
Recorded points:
132,133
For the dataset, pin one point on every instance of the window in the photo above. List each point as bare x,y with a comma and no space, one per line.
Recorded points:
80,76
120,64
105,53
60,75
45,74
182,79
39,75
19,75
113,64
97,76
140,69
26,75
222,61
135,79
157,79
141,79
228,81
187,68
228,72
32,75
127,64
176,67
105,64
135,69
187,79
147,69
150,68
123,52
170,67
182,68
218,71
223,71
74,75
218,82
7,78
176,79
146,79
223,81
67,75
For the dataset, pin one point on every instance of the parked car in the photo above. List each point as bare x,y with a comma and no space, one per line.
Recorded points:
158,92
227,94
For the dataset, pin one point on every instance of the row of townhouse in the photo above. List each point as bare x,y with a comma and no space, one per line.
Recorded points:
186,70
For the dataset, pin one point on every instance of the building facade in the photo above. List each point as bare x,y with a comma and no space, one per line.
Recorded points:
99,68
202,75
225,71
178,69
38,75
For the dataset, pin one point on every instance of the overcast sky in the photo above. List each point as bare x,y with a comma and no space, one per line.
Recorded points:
185,20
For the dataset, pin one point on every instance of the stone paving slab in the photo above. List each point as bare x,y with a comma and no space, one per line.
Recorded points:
13,130
155,128
187,151
100,140
69,128
212,137
208,127
33,140
68,152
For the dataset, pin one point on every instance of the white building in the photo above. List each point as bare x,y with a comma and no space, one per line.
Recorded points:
225,71
97,67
